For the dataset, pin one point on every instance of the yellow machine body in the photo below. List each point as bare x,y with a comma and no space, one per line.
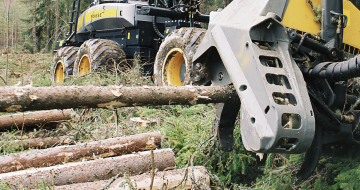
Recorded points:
300,15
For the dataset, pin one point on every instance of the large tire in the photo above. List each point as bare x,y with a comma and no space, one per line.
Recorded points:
63,64
173,63
94,53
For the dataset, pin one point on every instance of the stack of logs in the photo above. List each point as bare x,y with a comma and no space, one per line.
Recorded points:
108,164
117,163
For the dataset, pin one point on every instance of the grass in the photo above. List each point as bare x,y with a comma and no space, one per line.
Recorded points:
27,69
186,129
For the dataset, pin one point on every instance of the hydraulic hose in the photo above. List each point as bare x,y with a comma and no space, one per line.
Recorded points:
337,71
156,29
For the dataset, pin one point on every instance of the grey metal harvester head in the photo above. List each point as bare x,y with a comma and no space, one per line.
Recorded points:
276,113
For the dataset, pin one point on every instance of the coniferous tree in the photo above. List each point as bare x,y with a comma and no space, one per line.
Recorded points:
34,28
57,15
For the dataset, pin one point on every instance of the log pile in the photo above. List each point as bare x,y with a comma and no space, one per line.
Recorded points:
100,169
105,164
85,151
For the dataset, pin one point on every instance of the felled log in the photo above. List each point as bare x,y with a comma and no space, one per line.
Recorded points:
191,178
100,169
33,118
96,185
43,142
62,97
85,151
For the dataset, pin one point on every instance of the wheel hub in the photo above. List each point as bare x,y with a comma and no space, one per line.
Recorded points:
59,73
84,67
174,68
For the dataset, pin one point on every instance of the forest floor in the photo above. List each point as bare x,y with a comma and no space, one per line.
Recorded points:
185,128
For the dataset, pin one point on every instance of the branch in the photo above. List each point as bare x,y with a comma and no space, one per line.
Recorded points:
3,80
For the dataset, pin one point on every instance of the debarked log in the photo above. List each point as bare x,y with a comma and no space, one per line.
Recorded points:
33,118
196,177
63,97
100,169
85,151
43,142
188,178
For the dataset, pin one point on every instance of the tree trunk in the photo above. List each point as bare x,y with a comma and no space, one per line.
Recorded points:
88,151
3,36
38,143
62,97
47,47
100,169
33,118
7,42
16,34
57,15
34,28
15,30
12,31
192,178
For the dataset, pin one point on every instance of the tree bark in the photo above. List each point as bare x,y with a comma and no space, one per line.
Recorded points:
33,118
72,153
41,143
62,97
100,169
193,178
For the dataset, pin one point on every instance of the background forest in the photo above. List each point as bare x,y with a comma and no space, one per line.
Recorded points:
33,27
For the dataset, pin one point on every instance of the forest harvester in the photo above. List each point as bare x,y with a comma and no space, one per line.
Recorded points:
111,30
293,63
